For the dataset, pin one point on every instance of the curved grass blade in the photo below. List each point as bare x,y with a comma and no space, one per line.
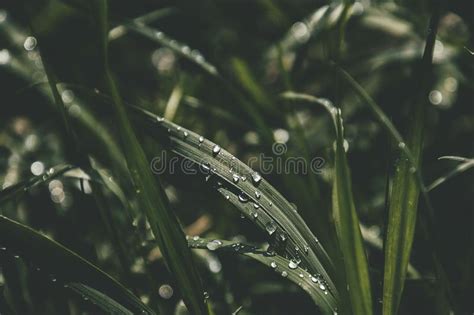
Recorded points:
185,51
50,174
149,193
100,299
313,284
247,190
348,230
45,253
403,200
462,167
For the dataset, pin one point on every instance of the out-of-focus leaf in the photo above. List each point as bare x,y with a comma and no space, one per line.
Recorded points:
67,266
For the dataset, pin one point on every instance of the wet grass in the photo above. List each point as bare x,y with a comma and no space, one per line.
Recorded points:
133,170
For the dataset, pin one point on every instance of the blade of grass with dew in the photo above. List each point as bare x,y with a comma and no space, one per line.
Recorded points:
248,189
348,230
150,194
101,300
403,199
22,187
314,285
67,266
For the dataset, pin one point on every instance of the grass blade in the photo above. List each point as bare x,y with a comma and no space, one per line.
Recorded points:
403,200
150,194
100,299
314,285
348,231
462,167
57,260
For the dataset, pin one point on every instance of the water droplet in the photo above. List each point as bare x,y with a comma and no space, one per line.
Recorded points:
201,139
178,128
255,215
412,169
30,43
185,134
270,227
322,286
273,265
243,178
256,178
401,145
235,178
292,264
160,119
306,249
256,205
284,274
227,197
213,245
243,197
301,275
206,167
196,238
216,149
50,171
314,279
257,195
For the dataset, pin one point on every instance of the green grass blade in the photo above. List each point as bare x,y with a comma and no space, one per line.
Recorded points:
348,231
247,193
462,167
22,187
403,199
57,260
151,196
104,302
316,287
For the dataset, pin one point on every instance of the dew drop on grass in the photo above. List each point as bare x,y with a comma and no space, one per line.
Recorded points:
284,274
257,195
206,167
160,119
292,264
243,197
256,205
270,227
273,265
185,134
322,286
213,245
401,145
255,215
216,149
201,139
227,197
301,275
256,178
235,178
